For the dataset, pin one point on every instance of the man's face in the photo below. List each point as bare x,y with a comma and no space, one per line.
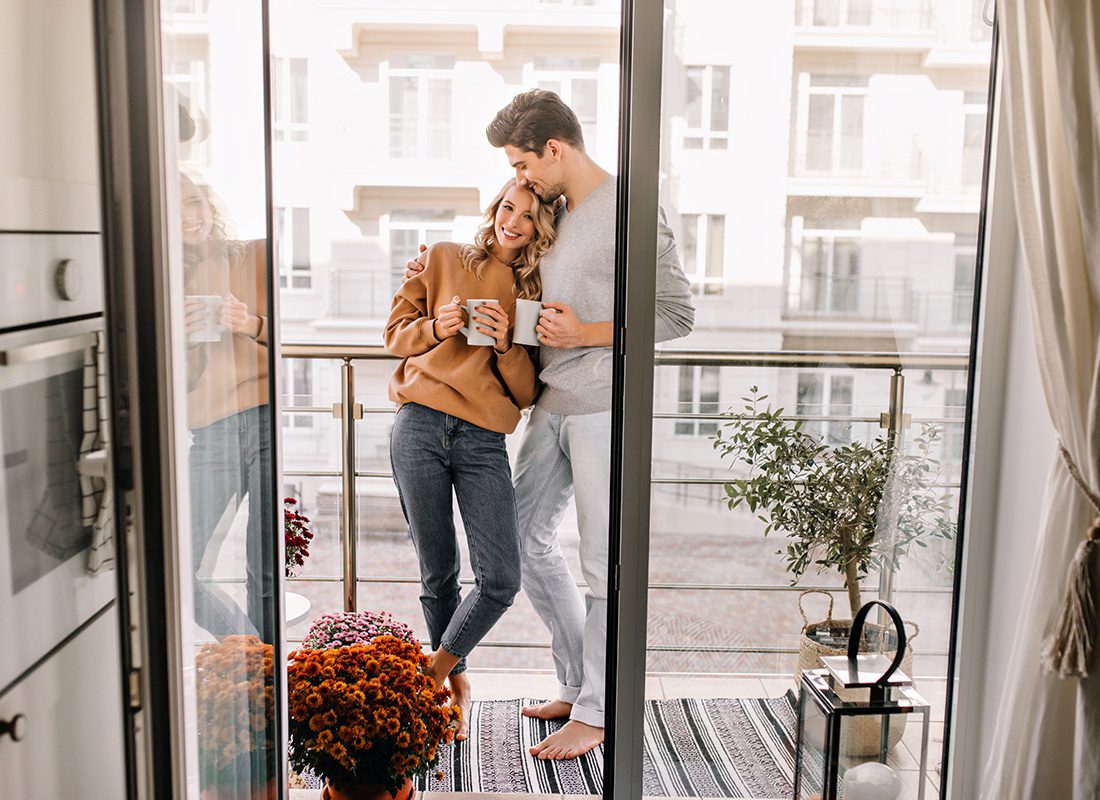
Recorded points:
543,174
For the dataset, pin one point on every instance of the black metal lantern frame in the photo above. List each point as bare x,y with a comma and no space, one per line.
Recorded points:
891,694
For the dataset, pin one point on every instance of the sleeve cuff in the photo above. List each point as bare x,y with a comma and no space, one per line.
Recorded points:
427,332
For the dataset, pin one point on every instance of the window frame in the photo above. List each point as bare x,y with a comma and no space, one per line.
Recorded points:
838,91
284,127
424,115
707,136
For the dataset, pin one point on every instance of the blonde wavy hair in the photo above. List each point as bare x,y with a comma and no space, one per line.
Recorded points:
527,284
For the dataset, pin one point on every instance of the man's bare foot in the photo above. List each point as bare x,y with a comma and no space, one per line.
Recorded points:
460,696
555,709
574,740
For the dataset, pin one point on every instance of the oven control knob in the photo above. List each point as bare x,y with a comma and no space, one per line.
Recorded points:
16,727
66,279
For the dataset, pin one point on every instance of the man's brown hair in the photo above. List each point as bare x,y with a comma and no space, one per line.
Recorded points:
532,119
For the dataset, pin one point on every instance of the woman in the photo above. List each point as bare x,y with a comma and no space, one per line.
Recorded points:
228,413
456,402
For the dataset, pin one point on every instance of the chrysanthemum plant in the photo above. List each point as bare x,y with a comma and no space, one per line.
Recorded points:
344,628
366,714
296,536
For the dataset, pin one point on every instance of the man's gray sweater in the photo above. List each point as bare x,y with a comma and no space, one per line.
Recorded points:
579,271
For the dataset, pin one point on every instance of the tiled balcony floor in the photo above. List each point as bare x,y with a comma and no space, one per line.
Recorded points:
510,684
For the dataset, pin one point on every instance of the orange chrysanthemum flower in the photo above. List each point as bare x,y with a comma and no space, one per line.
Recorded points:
366,713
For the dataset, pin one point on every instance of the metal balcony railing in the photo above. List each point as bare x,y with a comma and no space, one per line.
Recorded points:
349,411
852,298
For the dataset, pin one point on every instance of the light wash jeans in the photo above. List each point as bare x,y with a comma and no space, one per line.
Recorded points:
432,454
564,456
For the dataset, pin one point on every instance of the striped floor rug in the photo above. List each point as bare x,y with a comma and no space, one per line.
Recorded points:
692,748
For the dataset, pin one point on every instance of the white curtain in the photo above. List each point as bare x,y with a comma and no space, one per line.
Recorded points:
1047,740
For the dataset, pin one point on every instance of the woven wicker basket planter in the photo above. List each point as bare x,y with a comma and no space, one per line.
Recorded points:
864,733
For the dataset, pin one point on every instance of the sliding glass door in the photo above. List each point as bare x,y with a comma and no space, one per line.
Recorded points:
802,451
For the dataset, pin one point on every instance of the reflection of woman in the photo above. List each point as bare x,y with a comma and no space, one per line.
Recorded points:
456,403
227,405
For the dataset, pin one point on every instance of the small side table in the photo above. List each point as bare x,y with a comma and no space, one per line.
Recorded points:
297,606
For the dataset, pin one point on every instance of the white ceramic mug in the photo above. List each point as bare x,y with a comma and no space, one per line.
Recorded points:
469,330
527,318
211,330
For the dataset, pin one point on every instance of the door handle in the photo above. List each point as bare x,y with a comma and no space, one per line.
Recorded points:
54,347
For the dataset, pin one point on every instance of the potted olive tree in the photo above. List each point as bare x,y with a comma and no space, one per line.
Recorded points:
853,509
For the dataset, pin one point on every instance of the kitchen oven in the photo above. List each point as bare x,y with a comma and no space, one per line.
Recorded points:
56,527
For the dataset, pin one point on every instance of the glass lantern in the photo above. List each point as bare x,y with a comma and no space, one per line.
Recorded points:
828,724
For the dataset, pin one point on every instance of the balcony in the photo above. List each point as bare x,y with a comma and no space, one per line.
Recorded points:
723,617
901,25
854,164
826,297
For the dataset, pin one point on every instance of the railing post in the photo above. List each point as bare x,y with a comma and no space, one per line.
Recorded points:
348,411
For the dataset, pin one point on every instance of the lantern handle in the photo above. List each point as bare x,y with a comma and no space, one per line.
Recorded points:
857,633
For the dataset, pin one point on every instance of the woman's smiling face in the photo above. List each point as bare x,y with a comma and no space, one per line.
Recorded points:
514,225
195,209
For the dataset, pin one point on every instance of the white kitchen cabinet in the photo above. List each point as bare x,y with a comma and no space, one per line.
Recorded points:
72,748
49,178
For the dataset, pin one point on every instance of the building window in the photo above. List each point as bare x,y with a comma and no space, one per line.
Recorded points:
291,101
292,248
297,391
190,6
576,82
974,106
833,13
954,410
420,88
703,250
412,228
830,138
698,394
829,397
962,295
707,108
830,276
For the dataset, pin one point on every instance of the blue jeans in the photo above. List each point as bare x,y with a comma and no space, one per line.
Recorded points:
233,456
562,457
433,453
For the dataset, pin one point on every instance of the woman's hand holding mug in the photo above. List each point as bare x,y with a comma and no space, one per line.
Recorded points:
492,321
448,319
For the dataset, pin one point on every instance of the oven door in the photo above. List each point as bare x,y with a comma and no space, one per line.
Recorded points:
56,531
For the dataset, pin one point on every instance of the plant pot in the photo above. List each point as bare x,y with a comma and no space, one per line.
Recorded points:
369,792
864,736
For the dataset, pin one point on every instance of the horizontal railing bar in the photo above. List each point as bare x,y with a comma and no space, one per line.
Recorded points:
788,418
679,357
723,481
803,358
356,351
720,587
660,480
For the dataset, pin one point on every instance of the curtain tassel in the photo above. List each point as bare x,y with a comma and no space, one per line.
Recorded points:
1068,650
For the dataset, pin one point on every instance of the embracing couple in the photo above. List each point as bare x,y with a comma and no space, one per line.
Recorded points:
457,401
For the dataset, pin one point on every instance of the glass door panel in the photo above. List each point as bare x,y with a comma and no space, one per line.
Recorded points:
823,253
391,153
220,286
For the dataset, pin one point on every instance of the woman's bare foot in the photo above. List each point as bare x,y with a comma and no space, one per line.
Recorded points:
573,740
555,709
460,697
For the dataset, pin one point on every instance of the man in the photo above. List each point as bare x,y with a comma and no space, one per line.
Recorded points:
566,448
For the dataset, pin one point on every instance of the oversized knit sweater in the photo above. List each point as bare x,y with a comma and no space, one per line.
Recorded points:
473,383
